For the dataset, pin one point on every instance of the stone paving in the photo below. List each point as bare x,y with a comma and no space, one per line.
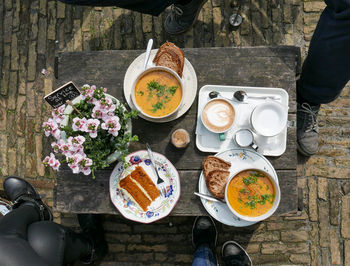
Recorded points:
32,32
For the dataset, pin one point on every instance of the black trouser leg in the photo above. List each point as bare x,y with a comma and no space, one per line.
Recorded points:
14,247
25,240
57,244
326,69
152,7
16,222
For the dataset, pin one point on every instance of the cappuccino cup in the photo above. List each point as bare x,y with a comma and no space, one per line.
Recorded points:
218,116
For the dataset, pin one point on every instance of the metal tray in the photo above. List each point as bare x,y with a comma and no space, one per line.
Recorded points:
207,141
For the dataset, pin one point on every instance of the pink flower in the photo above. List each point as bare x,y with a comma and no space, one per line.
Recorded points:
112,125
57,114
79,124
106,104
87,91
76,141
56,147
73,162
52,161
92,126
85,164
51,128
79,163
98,113
67,149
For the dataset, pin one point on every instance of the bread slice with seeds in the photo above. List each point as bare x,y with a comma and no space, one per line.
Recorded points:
216,182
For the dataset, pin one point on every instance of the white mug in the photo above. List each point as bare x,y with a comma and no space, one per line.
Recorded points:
245,138
220,129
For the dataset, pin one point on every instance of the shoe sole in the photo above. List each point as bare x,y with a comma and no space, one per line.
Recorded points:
194,21
301,151
234,242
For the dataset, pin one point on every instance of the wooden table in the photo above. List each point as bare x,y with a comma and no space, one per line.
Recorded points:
258,66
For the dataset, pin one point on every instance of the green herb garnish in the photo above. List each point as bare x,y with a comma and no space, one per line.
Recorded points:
266,197
243,191
162,93
250,180
256,174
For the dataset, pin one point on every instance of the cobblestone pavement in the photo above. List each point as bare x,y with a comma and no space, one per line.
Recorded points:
33,31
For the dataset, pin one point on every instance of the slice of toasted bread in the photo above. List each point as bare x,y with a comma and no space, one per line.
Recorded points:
169,55
216,182
211,163
179,53
169,59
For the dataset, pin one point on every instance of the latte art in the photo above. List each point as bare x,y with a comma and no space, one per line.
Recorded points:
218,115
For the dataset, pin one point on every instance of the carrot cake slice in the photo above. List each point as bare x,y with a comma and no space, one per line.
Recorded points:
133,189
140,176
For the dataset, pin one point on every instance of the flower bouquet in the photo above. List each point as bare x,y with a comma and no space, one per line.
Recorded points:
92,135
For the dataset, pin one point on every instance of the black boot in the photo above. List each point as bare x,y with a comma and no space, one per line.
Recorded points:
204,232
21,192
182,17
93,230
234,255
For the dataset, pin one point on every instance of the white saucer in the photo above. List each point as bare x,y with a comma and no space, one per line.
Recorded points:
189,79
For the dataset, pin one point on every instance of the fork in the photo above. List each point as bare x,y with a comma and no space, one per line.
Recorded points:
160,182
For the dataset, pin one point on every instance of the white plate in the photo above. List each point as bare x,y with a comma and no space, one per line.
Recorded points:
163,205
269,118
238,158
189,79
207,141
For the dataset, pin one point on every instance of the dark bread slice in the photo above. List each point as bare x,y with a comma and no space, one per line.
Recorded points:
216,182
174,54
211,163
179,53
169,59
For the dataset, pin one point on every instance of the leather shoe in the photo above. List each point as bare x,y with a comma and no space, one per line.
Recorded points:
20,191
93,230
204,232
234,254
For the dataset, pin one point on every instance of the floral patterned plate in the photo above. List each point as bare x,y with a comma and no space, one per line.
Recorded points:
239,158
159,208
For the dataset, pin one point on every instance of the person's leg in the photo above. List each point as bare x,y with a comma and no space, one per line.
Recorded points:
204,256
15,223
152,7
204,236
326,69
182,16
57,244
234,255
14,247
325,72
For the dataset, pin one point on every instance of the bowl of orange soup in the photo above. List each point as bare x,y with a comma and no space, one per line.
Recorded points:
252,195
157,92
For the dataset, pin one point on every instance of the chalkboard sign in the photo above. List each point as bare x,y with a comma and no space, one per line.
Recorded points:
67,92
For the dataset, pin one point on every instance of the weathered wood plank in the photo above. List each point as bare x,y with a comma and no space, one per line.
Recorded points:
81,194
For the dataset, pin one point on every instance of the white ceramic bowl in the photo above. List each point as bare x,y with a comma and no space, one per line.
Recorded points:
155,68
269,118
265,215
